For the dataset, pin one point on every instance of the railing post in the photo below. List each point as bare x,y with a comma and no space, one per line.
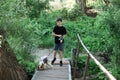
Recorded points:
75,56
73,62
1,40
78,51
86,67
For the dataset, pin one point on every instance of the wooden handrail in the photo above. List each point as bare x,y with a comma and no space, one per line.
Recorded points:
110,76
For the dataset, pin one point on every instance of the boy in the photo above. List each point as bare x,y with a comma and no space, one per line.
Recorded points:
59,33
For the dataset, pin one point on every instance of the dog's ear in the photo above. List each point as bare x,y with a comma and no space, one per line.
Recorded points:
42,67
38,68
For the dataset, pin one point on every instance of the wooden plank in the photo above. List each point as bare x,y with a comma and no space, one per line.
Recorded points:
50,79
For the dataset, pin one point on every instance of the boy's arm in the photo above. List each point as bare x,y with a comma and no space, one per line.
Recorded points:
55,34
63,36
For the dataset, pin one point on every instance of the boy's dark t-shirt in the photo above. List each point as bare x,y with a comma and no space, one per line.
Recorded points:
59,31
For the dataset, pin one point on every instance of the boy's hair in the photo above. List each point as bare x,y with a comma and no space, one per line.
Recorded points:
59,19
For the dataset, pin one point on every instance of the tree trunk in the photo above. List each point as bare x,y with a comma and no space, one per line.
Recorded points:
82,4
9,67
106,2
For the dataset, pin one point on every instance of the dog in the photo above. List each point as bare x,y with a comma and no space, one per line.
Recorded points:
44,64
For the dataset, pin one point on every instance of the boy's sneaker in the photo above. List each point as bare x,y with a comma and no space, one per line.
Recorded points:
53,61
61,64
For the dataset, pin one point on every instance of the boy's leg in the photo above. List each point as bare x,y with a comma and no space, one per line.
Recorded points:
61,55
61,47
55,52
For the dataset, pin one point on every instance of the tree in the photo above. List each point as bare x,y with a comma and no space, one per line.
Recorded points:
106,2
82,4
9,67
115,28
12,27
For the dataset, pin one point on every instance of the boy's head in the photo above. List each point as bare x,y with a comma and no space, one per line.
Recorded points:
59,21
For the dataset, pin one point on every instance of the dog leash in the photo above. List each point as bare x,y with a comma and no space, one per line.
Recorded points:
50,53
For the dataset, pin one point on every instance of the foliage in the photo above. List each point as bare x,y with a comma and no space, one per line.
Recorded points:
81,63
35,7
111,18
115,31
116,3
99,34
71,14
22,33
93,69
29,26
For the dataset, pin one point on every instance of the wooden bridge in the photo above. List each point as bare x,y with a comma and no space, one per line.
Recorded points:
56,73
64,72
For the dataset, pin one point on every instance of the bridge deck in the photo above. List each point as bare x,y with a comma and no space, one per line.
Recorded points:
56,73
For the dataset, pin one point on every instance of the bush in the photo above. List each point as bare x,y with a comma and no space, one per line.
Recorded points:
71,14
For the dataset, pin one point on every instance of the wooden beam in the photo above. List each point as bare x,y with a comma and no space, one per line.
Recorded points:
86,68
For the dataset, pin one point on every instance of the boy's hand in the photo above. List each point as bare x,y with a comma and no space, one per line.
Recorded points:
59,35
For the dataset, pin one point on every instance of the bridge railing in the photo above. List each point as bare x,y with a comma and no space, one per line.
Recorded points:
90,56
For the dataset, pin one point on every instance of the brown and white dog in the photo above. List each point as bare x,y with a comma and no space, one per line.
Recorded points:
44,63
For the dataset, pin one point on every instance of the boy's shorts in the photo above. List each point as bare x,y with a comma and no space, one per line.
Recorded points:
59,47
